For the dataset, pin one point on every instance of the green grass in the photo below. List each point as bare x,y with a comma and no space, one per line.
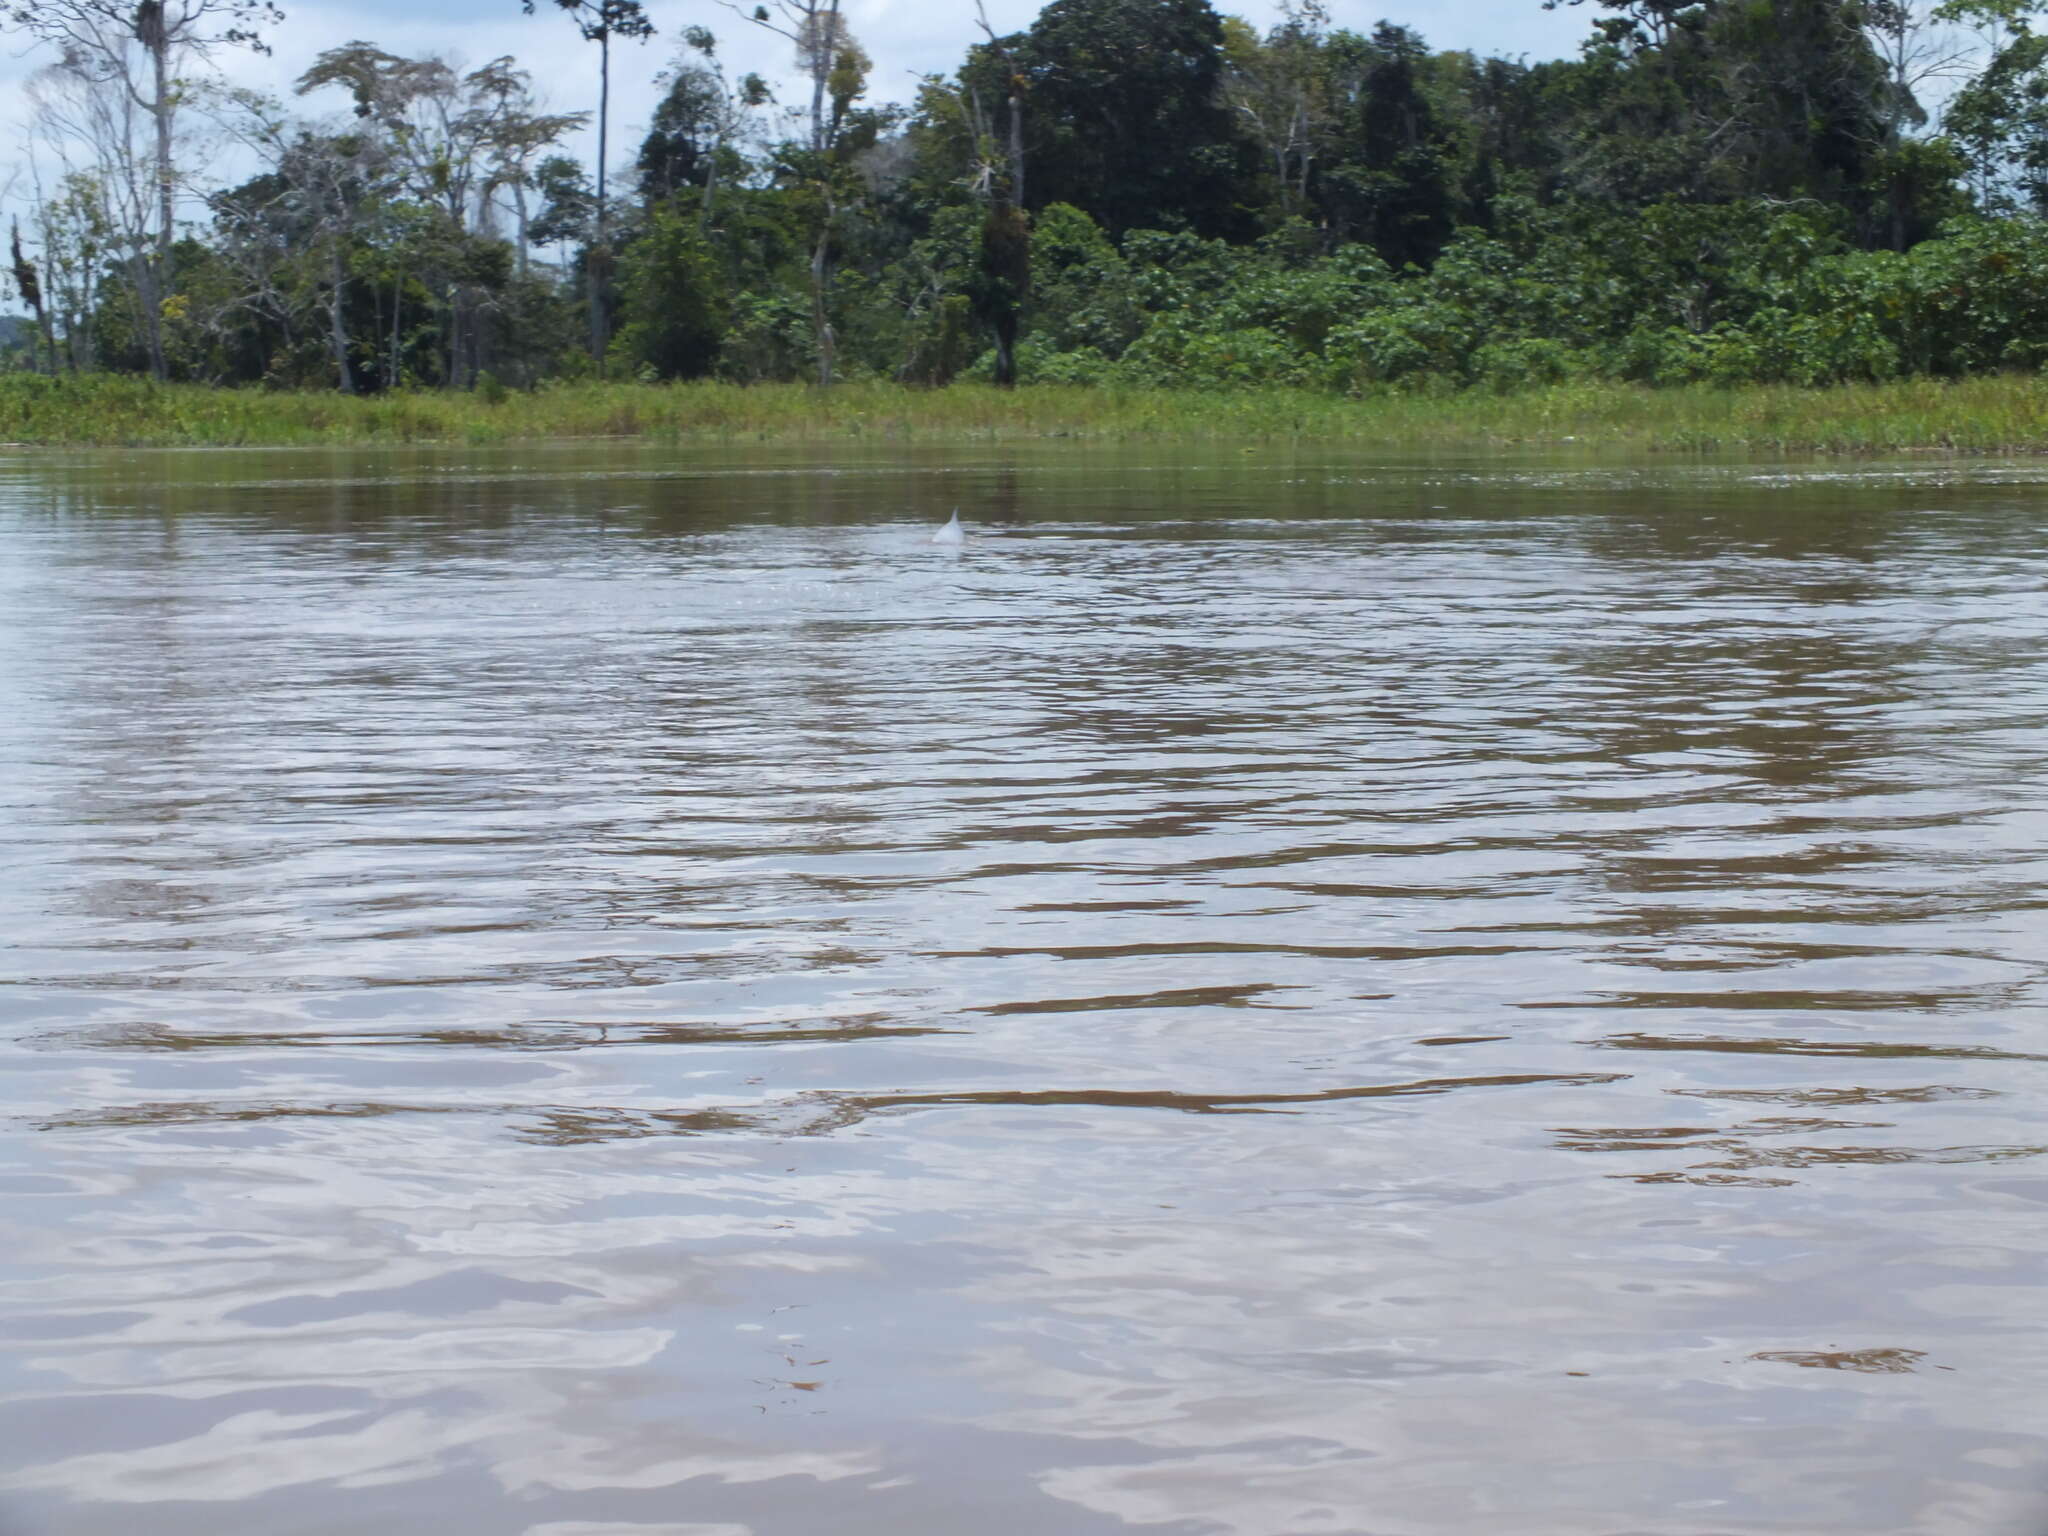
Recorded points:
2003,414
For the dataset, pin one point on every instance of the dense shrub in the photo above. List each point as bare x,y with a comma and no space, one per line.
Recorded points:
1685,295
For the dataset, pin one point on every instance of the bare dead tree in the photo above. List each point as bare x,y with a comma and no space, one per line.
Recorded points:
92,127
143,48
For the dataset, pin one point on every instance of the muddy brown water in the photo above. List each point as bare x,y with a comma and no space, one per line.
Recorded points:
589,991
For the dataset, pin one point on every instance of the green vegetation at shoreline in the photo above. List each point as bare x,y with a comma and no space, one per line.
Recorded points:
1998,414
1164,219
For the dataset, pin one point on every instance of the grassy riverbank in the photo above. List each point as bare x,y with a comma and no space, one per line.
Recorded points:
2004,414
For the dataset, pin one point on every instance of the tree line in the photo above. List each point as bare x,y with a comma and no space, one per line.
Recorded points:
1127,191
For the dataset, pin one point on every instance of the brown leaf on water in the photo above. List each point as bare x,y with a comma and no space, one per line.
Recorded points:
1876,1362
807,1386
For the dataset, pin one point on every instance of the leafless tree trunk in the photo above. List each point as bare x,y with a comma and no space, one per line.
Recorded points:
600,251
710,193
1013,102
143,273
337,333
519,213
155,38
821,316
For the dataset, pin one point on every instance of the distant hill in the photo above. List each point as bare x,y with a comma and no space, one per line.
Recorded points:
14,331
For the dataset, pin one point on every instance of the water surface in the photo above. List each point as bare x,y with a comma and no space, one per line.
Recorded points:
620,992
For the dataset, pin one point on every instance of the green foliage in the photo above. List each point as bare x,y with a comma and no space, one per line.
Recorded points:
1393,181
1000,279
1974,300
1177,352
1999,121
770,339
1675,294
1130,195
1082,292
569,204
675,308
1125,116
941,343
1526,362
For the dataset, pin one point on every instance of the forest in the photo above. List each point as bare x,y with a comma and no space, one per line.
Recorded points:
1128,192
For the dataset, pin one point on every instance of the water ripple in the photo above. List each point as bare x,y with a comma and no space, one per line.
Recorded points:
597,991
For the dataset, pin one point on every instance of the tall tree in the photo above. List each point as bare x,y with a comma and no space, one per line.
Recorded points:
2000,121
837,67
1001,278
821,40
568,205
1808,101
141,47
99,133
75,237
1279,86
512,131
700,119
1393,178
1127,116
453,142
317,197
461,138
600,21
1918,47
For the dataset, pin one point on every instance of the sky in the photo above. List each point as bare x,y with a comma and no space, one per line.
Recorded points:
906,38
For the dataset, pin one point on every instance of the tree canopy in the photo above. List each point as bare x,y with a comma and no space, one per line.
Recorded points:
1140,190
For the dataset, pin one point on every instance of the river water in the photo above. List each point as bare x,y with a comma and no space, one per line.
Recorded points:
588,991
